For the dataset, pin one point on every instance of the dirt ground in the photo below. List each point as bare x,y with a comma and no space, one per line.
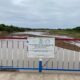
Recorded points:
38,76
67,45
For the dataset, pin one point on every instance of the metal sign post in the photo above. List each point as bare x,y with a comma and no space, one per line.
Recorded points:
40,65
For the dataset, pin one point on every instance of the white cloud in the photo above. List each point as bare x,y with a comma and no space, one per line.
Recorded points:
17,2
47,13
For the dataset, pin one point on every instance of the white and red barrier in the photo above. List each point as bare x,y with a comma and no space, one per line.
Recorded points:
13,52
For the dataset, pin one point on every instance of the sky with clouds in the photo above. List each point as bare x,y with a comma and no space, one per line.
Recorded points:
40,13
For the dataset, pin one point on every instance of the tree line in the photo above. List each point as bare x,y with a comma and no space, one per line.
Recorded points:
11,28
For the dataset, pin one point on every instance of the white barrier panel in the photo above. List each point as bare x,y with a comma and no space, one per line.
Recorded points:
12,52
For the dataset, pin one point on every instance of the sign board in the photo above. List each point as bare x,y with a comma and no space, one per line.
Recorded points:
40,47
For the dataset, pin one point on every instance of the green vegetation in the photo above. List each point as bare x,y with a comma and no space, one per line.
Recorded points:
6,29
74,32
10,28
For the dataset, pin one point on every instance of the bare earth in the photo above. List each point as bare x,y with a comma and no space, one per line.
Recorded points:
38,76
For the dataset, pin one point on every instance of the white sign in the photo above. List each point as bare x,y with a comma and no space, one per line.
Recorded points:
41,47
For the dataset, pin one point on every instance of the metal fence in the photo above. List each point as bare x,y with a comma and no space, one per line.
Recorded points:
14,50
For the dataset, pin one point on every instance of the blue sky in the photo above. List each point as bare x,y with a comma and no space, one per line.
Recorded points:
40,13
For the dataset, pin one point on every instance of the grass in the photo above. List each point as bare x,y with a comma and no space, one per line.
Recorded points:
4,33
70,33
